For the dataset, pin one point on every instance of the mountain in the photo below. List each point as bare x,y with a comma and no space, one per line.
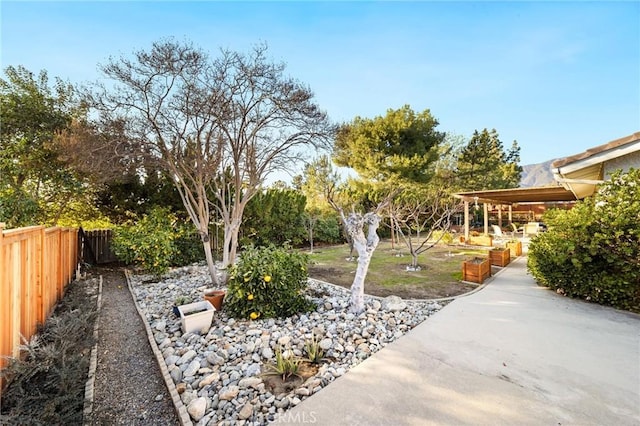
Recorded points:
537,175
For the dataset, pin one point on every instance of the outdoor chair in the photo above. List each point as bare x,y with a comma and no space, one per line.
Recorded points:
498,235
531,228
514,231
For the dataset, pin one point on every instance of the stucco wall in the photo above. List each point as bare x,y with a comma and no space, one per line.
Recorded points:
625,163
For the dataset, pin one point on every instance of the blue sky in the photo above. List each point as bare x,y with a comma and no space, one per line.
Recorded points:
558,77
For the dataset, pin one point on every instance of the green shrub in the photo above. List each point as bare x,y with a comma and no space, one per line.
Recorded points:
592,251
148,243
188,245
275,216
267,282
328,230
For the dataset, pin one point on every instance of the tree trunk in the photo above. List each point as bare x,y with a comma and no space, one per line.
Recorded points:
365,246
230,246
414,259
393,234
211,264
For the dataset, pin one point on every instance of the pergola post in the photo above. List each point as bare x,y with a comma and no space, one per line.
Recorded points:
466,221
500,215
486,218
510,215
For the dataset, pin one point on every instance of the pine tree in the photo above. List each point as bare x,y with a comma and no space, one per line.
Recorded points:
483,163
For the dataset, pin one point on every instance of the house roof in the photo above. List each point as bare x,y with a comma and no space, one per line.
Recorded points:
598,150
581,173
540,194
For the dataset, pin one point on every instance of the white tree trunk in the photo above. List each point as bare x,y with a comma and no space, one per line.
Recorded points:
211,264
365,246
230,246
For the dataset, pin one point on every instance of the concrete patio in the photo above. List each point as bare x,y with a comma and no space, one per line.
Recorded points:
513,353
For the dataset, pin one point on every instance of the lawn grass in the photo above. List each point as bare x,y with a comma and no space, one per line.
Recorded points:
439,277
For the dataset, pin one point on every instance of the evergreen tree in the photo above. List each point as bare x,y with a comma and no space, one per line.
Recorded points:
483,163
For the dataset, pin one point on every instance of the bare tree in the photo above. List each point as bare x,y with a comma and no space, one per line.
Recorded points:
215,126
429,214
356,225
269,124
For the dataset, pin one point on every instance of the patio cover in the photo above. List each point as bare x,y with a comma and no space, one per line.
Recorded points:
540,194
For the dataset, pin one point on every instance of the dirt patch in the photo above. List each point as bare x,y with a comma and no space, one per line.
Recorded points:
277,385
405,291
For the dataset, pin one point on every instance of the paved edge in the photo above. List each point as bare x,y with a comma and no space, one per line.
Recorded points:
181,410
93,364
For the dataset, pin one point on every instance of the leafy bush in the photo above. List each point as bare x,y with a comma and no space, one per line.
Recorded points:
17,208
267,282
593,250
275,216
157,241
328,230
148,243
188,245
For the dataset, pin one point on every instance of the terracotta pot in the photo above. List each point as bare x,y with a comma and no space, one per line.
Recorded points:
215,297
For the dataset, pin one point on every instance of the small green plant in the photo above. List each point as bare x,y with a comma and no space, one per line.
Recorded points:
314,352
268,282
182,300
284,367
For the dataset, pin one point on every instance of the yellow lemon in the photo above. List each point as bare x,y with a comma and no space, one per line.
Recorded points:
246,279
267,278
250,296
253,315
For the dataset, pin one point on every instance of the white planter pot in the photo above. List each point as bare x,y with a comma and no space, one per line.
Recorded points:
199,322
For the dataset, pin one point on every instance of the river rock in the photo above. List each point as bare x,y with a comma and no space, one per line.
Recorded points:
394,304
246,411
228,393
197,408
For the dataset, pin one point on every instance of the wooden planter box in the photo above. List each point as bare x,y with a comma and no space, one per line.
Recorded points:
481,240
500,257
515,247
476,270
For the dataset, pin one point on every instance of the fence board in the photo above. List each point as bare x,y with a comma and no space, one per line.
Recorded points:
97,246
36,264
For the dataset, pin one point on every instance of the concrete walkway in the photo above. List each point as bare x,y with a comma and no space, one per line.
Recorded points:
513,354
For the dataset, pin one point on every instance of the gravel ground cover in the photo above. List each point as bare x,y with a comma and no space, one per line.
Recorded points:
219,375
128,388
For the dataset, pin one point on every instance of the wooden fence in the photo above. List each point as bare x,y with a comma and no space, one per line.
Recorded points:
36,264
96,246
